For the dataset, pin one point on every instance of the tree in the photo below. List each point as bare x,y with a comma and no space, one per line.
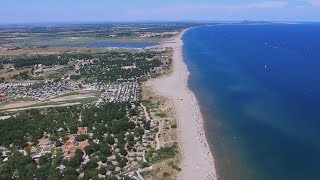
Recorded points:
70,172
103,158
75,77
91,174
123,152
120,138
42,172
54,173
133,112
89,150
103,170
73,128
105,150
44,159
70,177
118,157
147,125
82,137
31,169
17,165
132,125
110,167
130,137
79,153
92,164
130,145
143,165
75,161
111,178
110,140
122,163
95,146
139,131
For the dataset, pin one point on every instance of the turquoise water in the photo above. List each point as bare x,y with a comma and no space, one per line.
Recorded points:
259,90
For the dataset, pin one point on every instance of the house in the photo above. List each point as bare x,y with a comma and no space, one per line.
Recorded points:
82,131
43,147
71,147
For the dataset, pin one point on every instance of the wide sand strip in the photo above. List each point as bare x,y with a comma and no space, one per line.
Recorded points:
198,162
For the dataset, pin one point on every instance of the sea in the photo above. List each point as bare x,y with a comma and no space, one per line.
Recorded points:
259,90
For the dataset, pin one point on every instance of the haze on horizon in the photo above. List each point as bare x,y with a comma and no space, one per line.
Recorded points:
37,11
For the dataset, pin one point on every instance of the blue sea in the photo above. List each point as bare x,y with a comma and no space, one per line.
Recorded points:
259,90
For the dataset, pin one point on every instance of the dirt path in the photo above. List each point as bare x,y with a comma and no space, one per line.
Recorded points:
148,119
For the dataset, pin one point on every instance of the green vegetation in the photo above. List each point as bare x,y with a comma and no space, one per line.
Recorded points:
24,75
109,67
163,153
165,174
108,139
161,114
31,125
55,35
24,61
108,124
57,74
174,126
92,68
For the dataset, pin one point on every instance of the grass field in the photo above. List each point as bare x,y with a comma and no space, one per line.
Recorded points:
8,75
73,98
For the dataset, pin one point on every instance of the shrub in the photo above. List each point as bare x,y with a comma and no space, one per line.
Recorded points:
122,163
161,114
161,154
123,152
143,165
110,140
165,174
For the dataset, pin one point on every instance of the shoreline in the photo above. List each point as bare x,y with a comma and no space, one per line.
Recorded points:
197,158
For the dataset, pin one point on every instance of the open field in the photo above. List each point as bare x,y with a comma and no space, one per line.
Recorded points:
81,33
40,107
74,98
80,40
7,75
48,51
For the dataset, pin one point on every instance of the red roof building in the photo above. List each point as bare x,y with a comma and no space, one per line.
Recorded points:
82,131
71,146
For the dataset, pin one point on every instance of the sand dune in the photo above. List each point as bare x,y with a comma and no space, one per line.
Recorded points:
198,162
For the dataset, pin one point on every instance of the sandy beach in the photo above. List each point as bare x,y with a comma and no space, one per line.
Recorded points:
197,159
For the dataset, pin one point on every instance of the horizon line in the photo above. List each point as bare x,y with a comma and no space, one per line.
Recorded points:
156,21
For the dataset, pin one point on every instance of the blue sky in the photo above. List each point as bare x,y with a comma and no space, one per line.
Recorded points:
25,11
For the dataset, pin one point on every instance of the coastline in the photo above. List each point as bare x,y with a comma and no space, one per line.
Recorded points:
197,158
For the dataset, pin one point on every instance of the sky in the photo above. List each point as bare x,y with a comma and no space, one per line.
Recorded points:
42,11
